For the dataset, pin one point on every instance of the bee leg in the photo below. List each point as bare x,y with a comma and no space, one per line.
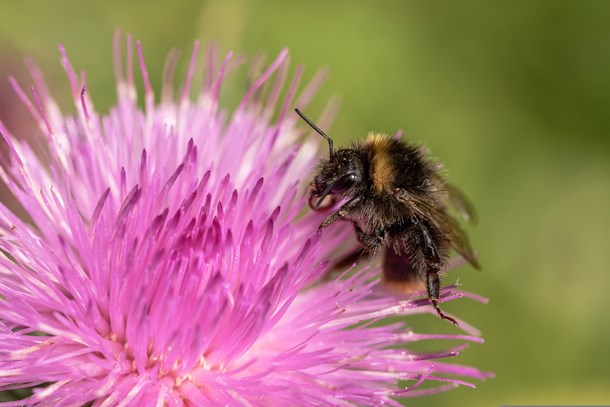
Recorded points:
433,285
370,242
434,264
340,214
334,217
355,255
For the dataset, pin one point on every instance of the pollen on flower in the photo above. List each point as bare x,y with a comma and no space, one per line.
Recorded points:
168,257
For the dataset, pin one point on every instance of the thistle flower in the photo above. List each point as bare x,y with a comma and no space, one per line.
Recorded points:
168,258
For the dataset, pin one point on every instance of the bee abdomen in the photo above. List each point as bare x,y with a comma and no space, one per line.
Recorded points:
400,273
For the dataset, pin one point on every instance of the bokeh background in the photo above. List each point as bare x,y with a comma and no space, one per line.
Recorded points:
514,97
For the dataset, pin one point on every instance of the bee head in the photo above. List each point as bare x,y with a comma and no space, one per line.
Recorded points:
339,176
336,176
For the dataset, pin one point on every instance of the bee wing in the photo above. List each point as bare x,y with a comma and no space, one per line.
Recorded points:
460,243
422,210
461,203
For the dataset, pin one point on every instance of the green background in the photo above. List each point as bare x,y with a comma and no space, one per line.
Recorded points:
514,97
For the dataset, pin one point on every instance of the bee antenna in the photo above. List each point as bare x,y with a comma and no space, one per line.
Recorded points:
319,131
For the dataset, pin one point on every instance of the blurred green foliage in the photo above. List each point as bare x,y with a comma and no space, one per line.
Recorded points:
514,97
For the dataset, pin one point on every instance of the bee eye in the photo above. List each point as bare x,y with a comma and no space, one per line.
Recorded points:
343,184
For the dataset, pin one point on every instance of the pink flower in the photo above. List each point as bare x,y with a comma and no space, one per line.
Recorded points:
170,258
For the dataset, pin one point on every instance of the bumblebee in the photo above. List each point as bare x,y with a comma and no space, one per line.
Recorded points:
397,200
